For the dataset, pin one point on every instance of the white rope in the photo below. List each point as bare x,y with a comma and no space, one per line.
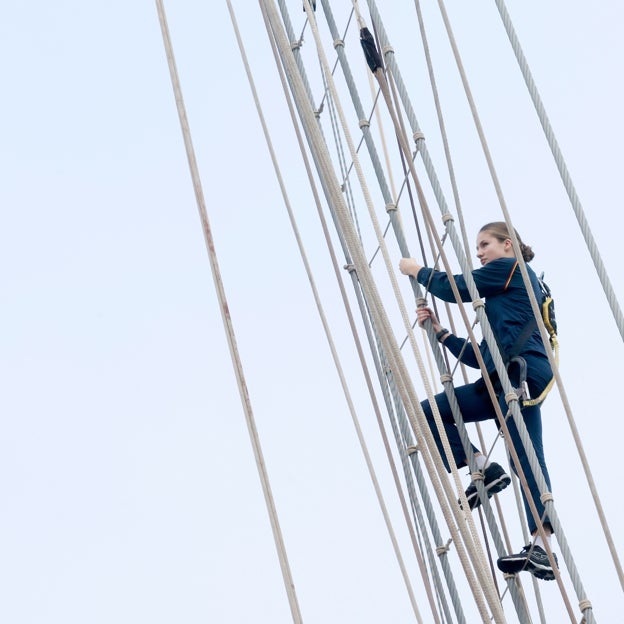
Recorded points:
227,321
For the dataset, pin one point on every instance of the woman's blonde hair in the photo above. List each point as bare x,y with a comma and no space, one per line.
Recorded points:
500,231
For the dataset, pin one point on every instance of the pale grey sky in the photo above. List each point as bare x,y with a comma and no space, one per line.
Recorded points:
129,489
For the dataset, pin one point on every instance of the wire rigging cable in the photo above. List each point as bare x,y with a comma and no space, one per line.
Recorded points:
565,174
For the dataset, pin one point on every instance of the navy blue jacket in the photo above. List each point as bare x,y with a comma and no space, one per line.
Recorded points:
507,307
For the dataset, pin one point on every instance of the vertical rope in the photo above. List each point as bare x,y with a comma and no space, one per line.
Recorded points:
227,321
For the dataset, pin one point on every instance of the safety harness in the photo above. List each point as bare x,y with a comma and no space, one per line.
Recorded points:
513,357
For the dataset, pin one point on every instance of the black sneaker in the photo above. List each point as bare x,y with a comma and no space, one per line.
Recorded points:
495,479
533,559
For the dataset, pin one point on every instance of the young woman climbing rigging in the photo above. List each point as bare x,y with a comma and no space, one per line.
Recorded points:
508,309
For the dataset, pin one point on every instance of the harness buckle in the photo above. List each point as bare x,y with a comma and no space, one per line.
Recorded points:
523,387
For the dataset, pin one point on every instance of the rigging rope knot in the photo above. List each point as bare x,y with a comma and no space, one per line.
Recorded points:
585,604
349,267
477,303
421,302
296,45
442,550
318,111
511,396
387,50
391,207
547,497
364,123
446,378
412,449
418,136
446,217
338,43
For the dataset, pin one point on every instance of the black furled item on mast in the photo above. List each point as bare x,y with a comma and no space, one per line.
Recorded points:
370,50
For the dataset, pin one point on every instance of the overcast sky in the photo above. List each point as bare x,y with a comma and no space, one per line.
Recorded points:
129,488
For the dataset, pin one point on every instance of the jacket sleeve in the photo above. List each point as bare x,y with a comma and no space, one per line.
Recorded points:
462,349
490,279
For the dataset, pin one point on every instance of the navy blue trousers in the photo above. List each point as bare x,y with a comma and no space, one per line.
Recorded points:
475,406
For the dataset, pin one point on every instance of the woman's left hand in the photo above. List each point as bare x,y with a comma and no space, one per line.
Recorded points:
409,266
425,313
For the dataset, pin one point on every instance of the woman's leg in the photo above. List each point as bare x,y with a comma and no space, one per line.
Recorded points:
474,404
533,420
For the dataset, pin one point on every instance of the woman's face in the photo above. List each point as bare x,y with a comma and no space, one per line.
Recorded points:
490,248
